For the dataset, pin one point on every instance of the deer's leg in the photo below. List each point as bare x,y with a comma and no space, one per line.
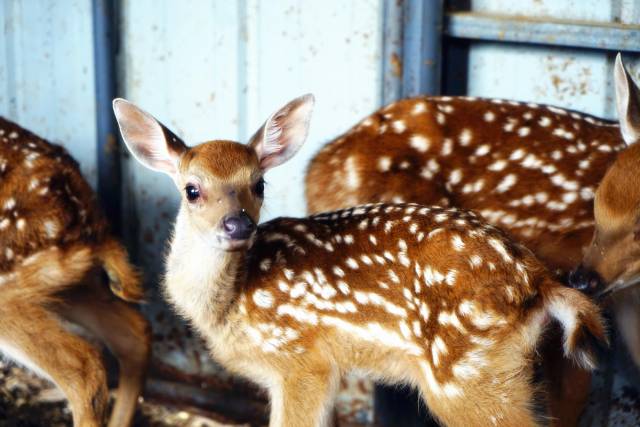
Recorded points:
566,385
127,335
33,336
303,399
628,322
507,399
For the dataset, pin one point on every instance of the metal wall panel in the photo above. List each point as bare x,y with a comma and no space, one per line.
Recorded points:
47,73
576,79
589,10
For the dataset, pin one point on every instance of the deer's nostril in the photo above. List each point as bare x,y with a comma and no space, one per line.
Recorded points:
238,227
587,281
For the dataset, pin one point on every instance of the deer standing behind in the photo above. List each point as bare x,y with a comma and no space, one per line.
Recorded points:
431,297
530,169
55,249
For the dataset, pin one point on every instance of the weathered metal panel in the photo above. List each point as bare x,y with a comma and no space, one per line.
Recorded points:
392,50
588,10
422,47
47,73
546,75
580,80
545,31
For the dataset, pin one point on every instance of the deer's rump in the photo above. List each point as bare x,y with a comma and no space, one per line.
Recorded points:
52,231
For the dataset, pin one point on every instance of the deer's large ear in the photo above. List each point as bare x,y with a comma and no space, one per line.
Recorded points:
627,103
151,143
283,133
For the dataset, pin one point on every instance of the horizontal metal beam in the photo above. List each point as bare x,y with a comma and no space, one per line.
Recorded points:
516,29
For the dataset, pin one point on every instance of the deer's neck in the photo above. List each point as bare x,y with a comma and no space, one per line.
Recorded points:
201,280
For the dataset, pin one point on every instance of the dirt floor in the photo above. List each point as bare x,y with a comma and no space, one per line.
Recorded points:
28,401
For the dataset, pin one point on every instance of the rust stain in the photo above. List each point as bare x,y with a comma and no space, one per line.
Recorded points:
111,144
396,64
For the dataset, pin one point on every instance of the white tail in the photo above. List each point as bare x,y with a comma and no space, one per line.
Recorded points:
55,245
432,297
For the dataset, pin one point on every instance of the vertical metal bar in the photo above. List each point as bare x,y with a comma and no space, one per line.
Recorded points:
431,66
410,68
422,47
105,88
392,18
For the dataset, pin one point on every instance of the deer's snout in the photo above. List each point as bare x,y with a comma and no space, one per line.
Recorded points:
585,280
238,226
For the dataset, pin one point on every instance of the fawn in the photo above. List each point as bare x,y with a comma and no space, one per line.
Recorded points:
55,248
530,169
427,296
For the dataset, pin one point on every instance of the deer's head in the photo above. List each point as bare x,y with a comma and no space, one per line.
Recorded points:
221,182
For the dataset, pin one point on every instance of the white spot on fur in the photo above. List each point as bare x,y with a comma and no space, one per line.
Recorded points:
9,204
263,298
506,183
353,178
447,147
455,176
483,150
458,243
384,163
438,348
517,154
497,166
465,137
419,108
501,249
399,126
419,143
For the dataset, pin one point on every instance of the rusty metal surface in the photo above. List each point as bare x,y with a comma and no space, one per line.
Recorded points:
555,32
47,74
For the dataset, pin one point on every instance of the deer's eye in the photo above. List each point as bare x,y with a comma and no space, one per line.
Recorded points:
258,188
192,192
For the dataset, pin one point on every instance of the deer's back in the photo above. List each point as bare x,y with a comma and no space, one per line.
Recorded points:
405,274
44,200
529,169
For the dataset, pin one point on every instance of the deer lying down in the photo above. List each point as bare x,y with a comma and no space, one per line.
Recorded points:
426,296
54,250
530,169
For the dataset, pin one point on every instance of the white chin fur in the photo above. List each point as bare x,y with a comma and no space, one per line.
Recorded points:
224,243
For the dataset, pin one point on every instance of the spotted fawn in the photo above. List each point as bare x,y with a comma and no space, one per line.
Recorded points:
427,296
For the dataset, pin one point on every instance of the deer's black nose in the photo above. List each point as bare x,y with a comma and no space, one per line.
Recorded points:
239,226
584,280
